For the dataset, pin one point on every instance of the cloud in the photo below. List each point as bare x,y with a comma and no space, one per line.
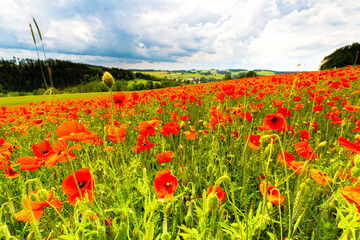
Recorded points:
185,34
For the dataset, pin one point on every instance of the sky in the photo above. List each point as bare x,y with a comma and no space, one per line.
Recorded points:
181,34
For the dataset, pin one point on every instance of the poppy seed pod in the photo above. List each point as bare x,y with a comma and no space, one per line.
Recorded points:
42,195
108,79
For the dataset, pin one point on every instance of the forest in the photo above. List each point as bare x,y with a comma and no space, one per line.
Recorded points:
27,75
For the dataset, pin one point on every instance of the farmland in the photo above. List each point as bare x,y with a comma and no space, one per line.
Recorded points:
271,157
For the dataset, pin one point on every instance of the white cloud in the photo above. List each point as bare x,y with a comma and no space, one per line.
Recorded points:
185,34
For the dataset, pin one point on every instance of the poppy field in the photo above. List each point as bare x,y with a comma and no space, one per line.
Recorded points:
275,157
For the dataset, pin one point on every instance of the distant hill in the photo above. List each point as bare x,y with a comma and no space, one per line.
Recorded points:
341,57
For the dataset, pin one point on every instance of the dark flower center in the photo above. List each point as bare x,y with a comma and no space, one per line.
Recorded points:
44,151
273,119
168,184
82,184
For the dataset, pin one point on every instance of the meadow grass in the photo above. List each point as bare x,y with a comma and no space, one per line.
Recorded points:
9,101
236,170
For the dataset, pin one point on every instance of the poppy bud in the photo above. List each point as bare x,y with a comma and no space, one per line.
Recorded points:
31,236
209,169
355,172
189,220
165,236
123,227
108,79
181,147
182,124
42,195
322,144
357,161
212,202
32,197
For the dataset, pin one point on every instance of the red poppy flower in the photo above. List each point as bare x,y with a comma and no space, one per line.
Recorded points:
285,112
147,128
218,191
297,167
286,158
61,153
10,173
35,208
165,157
119,131
272,193
352,194
303,149
278,103
29,163
83,182
273,122
305,135
319,177
170,127
228,89
75,131
298,106
191,135
119,99
43,149
349,145
165,184
254,141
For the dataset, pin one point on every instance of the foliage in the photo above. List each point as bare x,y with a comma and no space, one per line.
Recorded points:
25,74
256,158
341,57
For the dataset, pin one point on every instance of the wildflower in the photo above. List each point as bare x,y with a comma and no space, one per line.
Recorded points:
29,163
297,167
119,99
352,194
349,145
254,141
273,122
75,131
76,188
165,157
34,207
147,128
170,127
228,89
165,184
303,149
61,153
119,131
191,135
218,191
286,158
305,135
10,173
272,193
43,149
319,177
278,103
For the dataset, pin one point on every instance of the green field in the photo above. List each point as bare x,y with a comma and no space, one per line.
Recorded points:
198,74
8,101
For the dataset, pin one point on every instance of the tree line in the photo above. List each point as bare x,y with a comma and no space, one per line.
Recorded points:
25,75
341,57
